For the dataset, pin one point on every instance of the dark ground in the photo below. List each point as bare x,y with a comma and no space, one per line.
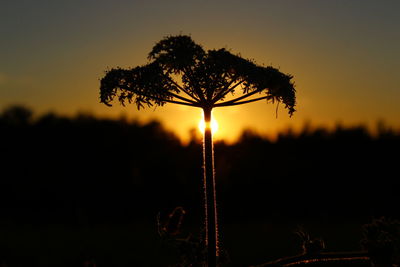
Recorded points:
79,189
138,244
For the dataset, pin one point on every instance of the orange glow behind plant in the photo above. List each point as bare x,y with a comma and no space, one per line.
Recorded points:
202,125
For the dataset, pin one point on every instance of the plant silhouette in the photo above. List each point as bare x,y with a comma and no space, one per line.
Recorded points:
182,72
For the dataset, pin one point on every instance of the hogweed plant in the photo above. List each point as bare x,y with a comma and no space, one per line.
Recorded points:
181,72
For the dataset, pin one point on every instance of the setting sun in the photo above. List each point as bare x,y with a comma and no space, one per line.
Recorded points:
214,125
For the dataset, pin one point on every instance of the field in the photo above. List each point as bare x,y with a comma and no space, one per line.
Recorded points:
138,244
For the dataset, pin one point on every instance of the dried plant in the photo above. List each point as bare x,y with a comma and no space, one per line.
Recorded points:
182,72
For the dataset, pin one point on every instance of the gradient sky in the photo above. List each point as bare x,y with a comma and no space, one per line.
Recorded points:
344,56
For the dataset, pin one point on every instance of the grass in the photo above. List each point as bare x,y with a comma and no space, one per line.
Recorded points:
58,245
253,243
138,244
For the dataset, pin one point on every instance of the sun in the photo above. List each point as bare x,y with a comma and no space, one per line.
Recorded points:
214,125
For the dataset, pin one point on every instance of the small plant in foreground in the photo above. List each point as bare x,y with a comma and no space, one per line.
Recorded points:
191,250
310,246
382,241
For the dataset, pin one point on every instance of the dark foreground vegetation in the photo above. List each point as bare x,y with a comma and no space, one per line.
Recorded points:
80,190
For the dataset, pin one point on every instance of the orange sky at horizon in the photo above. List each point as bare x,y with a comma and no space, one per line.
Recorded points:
343,56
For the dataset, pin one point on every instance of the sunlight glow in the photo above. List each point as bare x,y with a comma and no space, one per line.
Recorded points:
214,125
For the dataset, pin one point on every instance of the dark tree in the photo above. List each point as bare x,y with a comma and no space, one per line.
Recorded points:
182,72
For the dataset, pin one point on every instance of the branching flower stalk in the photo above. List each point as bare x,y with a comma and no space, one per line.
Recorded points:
206,79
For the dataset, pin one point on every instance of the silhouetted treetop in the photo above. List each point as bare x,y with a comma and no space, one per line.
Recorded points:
17,115
182,72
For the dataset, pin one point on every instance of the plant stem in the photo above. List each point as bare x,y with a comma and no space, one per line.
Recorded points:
211,224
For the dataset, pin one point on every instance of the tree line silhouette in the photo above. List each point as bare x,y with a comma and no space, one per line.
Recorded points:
87,170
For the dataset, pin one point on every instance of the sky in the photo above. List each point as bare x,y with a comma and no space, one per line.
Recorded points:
344,56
